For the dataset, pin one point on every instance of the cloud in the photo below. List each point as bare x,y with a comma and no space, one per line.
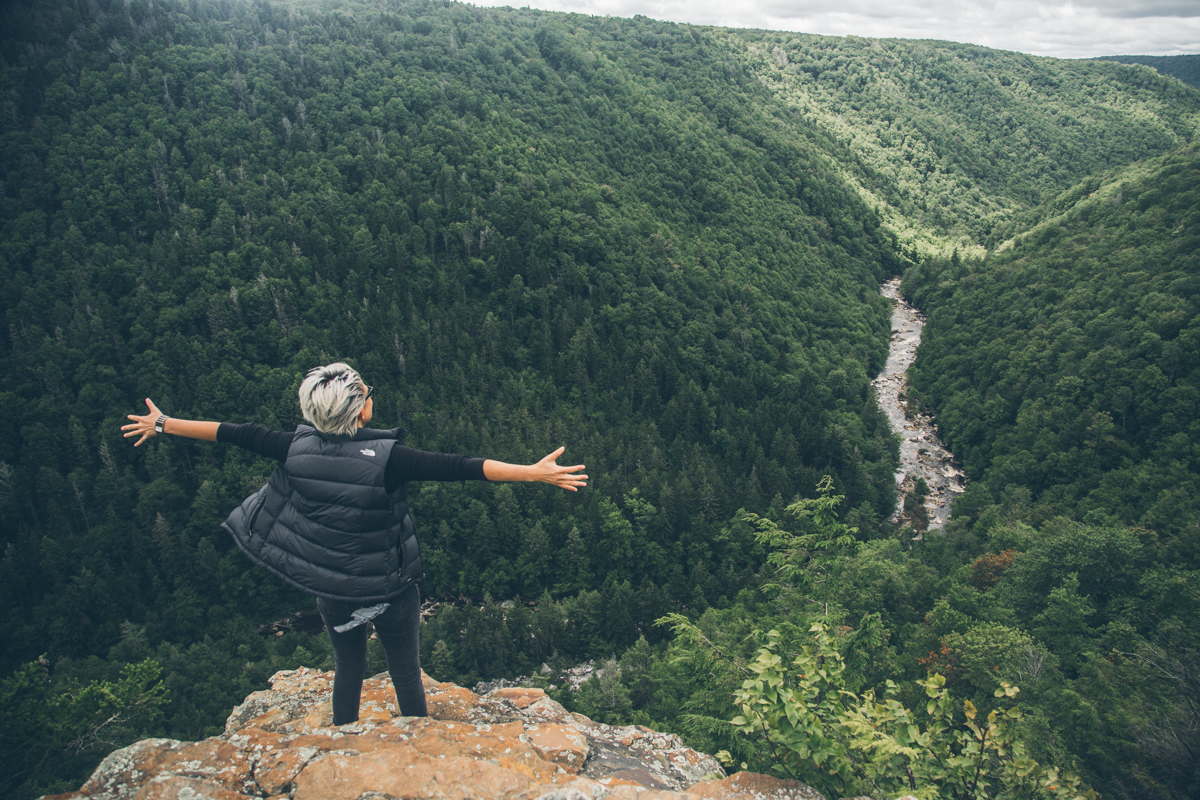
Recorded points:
1057,28
1163,8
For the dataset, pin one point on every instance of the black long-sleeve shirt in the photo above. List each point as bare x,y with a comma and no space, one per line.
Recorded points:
405,464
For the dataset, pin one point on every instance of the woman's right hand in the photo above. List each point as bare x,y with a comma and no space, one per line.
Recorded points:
548,471
143,426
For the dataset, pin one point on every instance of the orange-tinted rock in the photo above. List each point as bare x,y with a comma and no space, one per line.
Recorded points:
753,786
211,760
632,791
561,744
367,742
519,696
378,702
548,709
453,702
402,772
500,744
297,699
575,788
687,759
177,787
613,781
256,739
125,766
510,730
635,733
283,720
510,744
633,777
277,769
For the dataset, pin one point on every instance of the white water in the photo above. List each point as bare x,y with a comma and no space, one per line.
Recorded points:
922,454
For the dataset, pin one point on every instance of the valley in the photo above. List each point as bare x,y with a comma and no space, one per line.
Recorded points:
662,246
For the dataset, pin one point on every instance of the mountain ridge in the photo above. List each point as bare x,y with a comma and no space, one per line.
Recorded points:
929,124
1184,67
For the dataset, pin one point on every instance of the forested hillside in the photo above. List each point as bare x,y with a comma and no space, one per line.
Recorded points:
1185,68
525,230
949,140
1064,370
657,244
1068,361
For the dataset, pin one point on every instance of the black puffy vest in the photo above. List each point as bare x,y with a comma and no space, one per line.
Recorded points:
326,524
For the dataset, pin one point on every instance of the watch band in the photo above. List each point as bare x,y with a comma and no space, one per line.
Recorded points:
158,423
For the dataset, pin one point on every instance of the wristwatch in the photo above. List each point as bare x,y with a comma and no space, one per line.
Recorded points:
158,423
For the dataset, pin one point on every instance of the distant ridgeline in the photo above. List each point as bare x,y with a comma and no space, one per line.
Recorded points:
658,244
949,140
1185,68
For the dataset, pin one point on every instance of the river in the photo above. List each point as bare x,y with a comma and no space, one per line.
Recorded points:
922,454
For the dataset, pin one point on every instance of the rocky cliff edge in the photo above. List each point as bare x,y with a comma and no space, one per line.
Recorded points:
511,743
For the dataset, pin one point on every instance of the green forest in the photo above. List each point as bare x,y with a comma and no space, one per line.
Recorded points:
660,245
1185,68
1068,361
950,140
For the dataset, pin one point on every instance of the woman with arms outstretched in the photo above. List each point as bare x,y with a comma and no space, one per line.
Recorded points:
333,520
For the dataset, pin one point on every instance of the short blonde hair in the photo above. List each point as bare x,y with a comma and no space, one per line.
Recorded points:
331,398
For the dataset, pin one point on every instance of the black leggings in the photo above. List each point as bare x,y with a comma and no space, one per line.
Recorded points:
399,633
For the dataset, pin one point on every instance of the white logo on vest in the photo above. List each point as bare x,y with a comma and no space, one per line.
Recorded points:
367,452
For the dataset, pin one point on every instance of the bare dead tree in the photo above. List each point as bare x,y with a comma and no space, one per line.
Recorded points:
1170,738
110,464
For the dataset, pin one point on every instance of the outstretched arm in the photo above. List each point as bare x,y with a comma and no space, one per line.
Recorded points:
143,426
545,470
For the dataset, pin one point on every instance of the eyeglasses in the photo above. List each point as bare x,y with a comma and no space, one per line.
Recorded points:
370,391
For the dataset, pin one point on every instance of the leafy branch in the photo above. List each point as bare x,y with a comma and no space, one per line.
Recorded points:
845,743
807,559
41,725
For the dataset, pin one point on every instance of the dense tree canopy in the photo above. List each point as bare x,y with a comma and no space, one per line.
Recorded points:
1185,68
657,244
525,230
1064,370
951,140
1068,361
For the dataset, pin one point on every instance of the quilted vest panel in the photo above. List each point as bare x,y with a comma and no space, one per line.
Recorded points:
325,523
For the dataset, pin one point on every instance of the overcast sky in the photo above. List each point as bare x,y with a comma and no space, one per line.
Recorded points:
1047,27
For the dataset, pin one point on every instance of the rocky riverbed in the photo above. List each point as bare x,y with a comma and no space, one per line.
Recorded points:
922,454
